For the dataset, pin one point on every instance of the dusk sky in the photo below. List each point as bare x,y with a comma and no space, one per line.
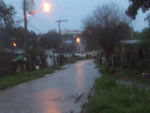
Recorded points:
73,10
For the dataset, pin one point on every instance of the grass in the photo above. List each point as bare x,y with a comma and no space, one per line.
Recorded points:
12,80
125,74
111,97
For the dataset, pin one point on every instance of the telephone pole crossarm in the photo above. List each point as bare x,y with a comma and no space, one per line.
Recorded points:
59,24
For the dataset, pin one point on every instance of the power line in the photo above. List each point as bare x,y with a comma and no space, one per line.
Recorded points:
30,19
29,23
35,28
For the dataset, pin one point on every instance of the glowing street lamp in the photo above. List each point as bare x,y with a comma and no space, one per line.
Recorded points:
14,44
46,7
78,40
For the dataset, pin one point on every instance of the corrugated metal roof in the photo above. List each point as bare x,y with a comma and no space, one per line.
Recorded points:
130,41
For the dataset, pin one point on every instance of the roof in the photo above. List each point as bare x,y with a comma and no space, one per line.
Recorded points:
16,51
70,32
130,42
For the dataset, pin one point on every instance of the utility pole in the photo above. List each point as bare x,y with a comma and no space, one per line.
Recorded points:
26,29
131,33
25,15
59,24
61,48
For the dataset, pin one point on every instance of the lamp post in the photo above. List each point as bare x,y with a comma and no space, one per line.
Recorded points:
28,7
25,14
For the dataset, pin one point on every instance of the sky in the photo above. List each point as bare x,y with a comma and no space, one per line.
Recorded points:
73,10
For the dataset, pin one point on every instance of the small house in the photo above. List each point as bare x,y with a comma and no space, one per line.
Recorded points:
51,57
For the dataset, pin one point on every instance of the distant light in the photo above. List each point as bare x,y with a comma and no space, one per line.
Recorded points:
78,40
14,44
46,7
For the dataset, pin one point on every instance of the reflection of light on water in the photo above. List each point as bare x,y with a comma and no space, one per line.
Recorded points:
79,77
45,103
52,108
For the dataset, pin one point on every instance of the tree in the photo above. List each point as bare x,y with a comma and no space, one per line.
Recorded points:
136,5
6,16
105,28
5,41
89,37
50,40
148,19
145,41
143,48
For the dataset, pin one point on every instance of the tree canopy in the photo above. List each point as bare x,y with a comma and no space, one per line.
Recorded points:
136,5
50,40
105,28
144,36
6,16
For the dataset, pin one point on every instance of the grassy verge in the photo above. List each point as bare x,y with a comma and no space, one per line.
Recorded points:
125,74
111,97
8,81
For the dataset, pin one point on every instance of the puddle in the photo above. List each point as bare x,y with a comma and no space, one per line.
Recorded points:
76,98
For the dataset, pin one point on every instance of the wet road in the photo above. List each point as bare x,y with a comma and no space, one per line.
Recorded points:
64,91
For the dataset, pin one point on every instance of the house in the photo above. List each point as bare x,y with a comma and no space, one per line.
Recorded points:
51,57
17,58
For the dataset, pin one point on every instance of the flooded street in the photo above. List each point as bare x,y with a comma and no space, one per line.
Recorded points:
64,91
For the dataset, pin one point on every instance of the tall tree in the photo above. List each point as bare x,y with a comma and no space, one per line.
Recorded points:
6,16
136,5
105,28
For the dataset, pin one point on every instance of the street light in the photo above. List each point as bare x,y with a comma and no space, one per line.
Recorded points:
14,44
78,40
46,7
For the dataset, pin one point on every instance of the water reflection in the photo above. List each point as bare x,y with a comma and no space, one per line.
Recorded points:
44,102
80,77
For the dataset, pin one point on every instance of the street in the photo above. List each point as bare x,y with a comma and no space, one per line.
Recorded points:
64,91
